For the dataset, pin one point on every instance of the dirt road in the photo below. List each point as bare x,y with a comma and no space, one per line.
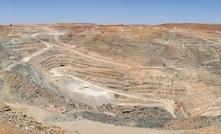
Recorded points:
167,104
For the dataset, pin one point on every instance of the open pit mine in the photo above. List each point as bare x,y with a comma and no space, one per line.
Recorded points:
106,79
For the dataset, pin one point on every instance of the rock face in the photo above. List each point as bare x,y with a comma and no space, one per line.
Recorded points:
1,84
137,116
165,76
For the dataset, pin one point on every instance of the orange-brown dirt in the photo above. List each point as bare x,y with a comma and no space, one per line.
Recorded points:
15,121
164,77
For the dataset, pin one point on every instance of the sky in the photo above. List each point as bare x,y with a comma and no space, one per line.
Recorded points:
110,11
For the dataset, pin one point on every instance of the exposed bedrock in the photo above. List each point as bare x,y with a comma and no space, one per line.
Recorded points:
137,116
24,75
1,85
145,76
